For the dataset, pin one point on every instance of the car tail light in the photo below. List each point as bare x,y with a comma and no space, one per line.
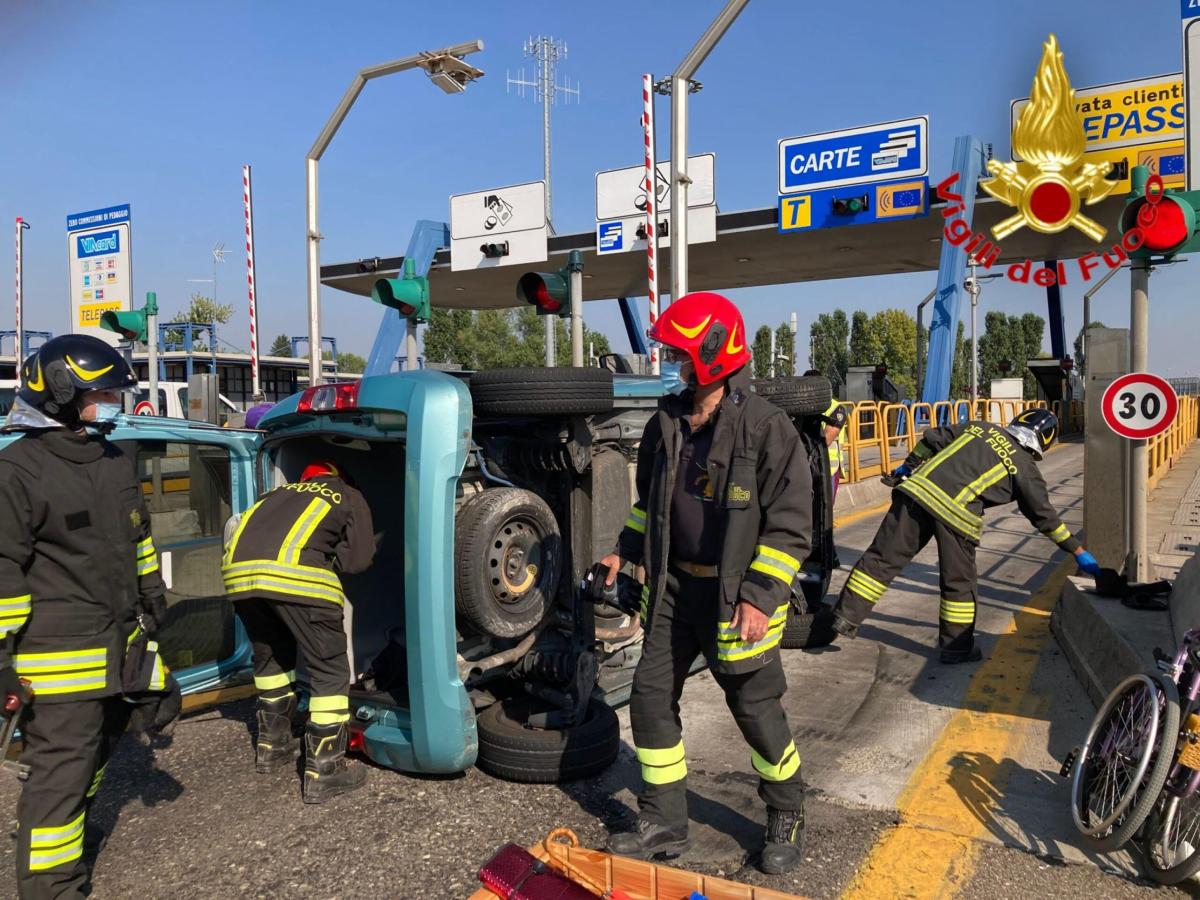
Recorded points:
326,398
357,741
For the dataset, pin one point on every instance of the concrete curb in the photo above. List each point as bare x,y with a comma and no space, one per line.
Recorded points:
1185,598
1097,652
860,495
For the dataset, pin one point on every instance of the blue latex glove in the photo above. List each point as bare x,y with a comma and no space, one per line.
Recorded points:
902,471
1087,563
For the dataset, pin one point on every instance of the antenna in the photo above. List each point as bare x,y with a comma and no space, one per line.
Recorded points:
546,51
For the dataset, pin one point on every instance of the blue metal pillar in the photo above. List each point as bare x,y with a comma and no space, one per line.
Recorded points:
427,237
1054,314
633,325
969,162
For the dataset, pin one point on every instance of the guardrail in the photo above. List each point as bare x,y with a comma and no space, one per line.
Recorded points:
878,436
1166,448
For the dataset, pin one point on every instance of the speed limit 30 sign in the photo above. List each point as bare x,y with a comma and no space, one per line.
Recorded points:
1139,405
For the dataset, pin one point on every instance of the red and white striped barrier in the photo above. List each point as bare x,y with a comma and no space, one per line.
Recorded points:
248,203
651,185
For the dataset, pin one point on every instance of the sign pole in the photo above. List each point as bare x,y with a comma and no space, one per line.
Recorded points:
20,296
651,209
152,349
1191,99
1138,567
251,288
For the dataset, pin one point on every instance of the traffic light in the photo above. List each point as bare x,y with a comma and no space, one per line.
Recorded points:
131,325
849,206
1165,219
550,292
494,251
408,295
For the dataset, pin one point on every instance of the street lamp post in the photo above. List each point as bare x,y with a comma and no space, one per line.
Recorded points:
446,69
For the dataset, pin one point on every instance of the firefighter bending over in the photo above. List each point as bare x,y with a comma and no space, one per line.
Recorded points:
945,484
722,523
280,567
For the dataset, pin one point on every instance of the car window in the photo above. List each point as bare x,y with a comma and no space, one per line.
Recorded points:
187,491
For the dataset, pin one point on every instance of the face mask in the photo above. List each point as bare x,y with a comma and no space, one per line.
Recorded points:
107,412
673,383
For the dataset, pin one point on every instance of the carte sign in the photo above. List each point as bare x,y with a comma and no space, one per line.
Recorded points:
1139,406
100,263
886,152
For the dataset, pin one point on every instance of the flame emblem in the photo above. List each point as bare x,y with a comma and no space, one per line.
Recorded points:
1051,182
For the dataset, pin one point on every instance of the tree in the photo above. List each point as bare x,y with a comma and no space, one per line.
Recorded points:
446,334
595,344
200,309
828,353
864,349
281,346
785,350
761,348
351,363
960,372
894,332
1033,327
1011,339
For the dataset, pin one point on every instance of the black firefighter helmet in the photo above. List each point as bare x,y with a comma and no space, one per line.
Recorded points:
1035,430
64,367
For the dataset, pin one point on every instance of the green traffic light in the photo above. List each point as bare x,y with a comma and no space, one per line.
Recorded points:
408,295
130,325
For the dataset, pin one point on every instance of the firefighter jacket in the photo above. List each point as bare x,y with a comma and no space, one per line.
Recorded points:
77,564
759,470
961,470
835,416
288,544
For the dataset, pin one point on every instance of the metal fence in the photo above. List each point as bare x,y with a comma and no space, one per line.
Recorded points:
1185,387
1164,451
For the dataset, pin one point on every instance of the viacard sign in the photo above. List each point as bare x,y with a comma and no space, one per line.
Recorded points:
1048,187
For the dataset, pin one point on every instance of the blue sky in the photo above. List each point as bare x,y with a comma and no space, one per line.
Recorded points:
160,104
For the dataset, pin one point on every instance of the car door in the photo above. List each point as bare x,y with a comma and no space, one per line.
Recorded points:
193,477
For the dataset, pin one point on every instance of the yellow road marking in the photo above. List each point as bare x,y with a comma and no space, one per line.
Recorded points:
859,514
947,802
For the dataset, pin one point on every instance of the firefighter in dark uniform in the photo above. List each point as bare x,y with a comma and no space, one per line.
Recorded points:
954,474
280,568
722,524
79,586
833,420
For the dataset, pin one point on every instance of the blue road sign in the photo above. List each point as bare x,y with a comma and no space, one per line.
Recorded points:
867,155
854,205
610,237
110,215
1189,9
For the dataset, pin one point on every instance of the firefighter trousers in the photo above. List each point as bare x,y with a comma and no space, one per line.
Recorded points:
905,530
684,625
279,632
67,747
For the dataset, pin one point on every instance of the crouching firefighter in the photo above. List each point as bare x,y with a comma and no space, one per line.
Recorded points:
80,596
954,474
721,523
280,568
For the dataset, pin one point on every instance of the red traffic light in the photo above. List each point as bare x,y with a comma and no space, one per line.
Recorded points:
545,290
1163,220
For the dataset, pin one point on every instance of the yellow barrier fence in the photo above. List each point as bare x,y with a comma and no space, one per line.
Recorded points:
1165,449
878,436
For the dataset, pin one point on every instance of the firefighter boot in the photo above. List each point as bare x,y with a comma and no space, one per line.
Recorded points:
327,772
785,836
275,747
648,840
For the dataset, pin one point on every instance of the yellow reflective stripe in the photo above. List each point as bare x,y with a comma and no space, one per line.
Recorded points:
63,659
145,567
11,605
145,548
788,765
957,444
54,846
865,586
283,586
329,703
636,520
738,651
237,532
303,528
158,675
832,407
1059,534
312,574
943,507
662,766
778,556
767,569
981,484
96,779
958,612
271,682
329,718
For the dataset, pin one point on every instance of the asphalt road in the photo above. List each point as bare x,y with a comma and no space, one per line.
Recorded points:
959,761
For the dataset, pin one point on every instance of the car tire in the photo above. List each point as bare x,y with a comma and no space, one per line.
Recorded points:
511,750
542,392
797,396
508,549
796,630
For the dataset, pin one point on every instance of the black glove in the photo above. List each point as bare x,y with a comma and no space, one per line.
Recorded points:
156,712
154,610
11,684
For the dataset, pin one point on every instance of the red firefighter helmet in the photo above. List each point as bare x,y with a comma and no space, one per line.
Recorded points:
709,329
321,469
